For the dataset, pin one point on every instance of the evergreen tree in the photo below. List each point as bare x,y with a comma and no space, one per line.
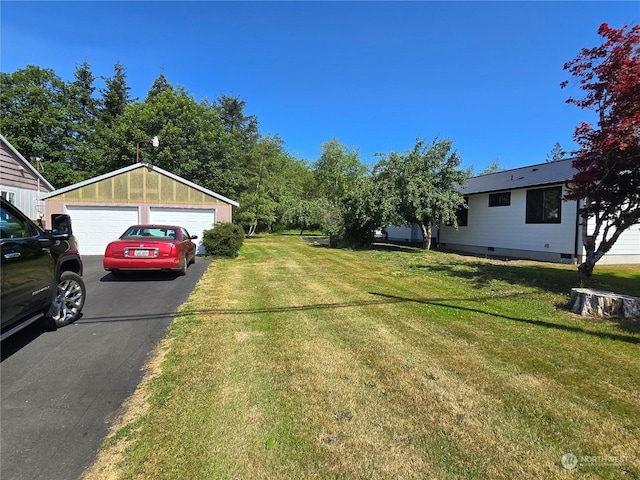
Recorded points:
159,85
235,121
556,154
115,96
83,111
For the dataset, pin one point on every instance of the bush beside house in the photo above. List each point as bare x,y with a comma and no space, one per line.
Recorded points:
225,240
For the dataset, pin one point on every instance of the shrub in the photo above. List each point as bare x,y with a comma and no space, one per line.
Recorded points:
224,240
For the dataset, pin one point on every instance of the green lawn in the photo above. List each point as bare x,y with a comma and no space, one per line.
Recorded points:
298,361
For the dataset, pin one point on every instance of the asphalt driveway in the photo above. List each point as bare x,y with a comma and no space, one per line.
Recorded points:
60,390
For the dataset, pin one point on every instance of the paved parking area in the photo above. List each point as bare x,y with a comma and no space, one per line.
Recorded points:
60,390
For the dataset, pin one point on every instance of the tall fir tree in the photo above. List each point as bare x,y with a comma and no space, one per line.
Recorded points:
115,96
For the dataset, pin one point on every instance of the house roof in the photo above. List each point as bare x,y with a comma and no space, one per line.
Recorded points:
534,175
134,167
26,164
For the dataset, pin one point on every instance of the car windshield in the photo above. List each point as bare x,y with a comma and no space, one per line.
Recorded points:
163,233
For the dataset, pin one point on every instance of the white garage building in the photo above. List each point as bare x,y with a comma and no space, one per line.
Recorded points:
103,207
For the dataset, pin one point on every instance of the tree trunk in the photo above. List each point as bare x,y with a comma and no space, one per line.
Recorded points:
585,270
426,235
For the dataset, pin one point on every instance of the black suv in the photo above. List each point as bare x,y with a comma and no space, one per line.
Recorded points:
41,272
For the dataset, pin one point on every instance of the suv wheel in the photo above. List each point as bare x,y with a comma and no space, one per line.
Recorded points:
70,298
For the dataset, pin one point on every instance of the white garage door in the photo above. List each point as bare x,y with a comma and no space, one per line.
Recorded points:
195,220
95,227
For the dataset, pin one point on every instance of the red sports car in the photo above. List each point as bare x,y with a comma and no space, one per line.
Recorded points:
151,247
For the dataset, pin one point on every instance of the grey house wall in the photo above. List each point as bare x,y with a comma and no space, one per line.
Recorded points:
20,182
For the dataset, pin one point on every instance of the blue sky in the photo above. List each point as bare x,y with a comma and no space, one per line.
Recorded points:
374,75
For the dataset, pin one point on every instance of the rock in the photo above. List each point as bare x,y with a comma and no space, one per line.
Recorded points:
589,301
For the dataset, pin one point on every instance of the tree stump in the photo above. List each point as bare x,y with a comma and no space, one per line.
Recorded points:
589,301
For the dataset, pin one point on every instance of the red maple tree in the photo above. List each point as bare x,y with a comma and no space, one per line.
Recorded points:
607,182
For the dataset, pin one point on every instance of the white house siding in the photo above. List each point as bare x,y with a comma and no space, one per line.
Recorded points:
26,200
404,233
503,231
401,233
625,250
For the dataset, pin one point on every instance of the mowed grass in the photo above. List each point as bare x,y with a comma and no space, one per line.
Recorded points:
296,361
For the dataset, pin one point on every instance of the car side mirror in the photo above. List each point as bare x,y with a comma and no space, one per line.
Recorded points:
194,237
60,226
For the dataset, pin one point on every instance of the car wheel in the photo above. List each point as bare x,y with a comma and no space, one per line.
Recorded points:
193,259
69,299
183,267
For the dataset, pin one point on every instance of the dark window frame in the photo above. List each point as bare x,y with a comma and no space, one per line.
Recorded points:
544,205
502,199
462,214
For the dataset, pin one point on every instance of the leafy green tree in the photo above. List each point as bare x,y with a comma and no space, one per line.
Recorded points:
420,187
257,211
294,183
194,143
288,178
337,171
178,121
330,199
361,213
60,173
306,213
77,134
38,119
32,101
493,167
272,176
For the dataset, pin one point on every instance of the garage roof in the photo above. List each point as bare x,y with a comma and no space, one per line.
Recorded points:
535,175
134,167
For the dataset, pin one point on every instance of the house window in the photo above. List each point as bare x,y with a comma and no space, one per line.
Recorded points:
462,214
9,197
500,199
544,205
